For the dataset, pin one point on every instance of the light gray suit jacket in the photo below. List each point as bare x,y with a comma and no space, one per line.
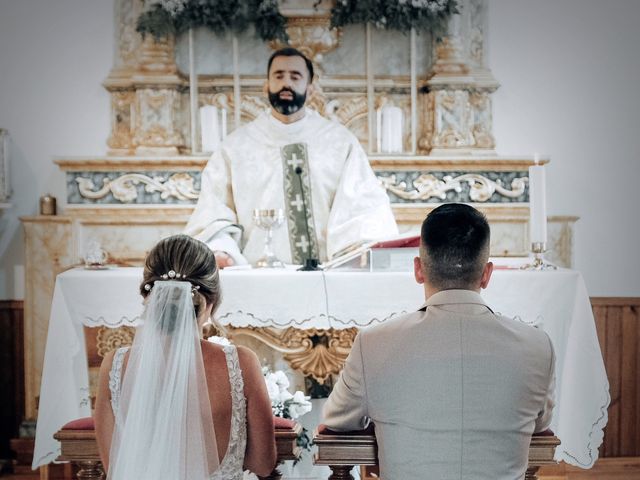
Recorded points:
455,391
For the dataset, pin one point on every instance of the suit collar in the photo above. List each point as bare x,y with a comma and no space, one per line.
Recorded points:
455,297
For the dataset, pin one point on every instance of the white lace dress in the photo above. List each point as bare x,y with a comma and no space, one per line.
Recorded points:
232,463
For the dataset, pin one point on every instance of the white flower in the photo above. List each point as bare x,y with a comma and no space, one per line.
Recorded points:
173,6
299,405
281,379
283,403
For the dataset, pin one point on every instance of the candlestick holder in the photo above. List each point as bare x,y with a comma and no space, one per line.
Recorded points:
539,263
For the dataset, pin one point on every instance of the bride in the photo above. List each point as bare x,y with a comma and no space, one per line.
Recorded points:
174,406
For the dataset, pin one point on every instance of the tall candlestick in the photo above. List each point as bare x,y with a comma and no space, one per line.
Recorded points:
370,91
236,84
537,205
193,93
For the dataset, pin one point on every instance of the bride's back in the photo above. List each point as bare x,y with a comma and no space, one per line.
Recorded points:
165,386
219,388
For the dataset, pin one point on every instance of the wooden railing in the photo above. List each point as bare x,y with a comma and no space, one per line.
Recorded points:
342,451
79,447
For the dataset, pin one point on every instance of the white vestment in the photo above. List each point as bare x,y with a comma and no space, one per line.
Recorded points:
347,205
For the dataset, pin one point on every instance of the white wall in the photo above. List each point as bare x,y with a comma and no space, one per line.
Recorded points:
569,70
54,56
570,74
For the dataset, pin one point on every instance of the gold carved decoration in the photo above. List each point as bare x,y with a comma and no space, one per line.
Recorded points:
123,188
109,339
427,186
315,352
312,36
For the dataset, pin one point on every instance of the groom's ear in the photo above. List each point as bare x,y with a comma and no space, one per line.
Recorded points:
418,271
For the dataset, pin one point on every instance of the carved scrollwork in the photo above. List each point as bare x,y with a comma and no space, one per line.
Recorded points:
314,352
312,36
109,339
427,186
124,188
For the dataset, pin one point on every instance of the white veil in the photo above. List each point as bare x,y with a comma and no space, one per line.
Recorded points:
164,427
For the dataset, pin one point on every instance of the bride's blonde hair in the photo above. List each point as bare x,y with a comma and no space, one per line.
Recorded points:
191,261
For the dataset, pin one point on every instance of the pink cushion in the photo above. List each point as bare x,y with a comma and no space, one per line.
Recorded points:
547,433
85,423
280,423
324,430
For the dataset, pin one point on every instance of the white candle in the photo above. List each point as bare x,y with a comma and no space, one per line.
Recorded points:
537,205
379,130
224,123
391,129
209,131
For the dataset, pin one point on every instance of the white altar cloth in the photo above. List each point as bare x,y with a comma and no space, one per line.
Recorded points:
556,301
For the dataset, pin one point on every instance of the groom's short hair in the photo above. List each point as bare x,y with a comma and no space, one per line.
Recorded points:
454,246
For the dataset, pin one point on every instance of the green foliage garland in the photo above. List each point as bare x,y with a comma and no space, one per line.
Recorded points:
219,16
403,15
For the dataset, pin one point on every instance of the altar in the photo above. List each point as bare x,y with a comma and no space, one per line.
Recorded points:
331,301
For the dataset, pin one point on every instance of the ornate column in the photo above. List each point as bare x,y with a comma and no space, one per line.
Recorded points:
458,109
146,90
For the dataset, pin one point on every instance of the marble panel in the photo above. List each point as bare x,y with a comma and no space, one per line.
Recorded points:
48,247
133,187
455,186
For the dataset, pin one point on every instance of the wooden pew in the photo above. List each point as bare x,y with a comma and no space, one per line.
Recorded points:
78,446
341,451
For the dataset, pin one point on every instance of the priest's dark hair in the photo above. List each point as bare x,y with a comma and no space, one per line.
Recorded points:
454,246
291,52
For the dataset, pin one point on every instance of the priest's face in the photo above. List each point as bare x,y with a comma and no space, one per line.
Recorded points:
288,84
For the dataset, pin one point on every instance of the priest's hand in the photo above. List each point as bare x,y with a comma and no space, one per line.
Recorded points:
223,259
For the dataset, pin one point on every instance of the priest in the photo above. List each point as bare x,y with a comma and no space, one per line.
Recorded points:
293,159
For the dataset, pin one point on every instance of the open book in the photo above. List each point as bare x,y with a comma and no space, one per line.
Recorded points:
359,250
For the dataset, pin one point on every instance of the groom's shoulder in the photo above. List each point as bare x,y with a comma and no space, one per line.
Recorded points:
389,326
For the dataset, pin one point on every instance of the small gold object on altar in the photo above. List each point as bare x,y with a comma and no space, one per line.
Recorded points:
47,204
539,263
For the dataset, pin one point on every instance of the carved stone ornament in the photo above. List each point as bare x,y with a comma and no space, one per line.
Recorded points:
427,186
314,352
451,119
109,339
179,186
312,36
482,122
157,122
122,105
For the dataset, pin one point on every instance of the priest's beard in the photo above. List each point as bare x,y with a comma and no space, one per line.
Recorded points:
284,105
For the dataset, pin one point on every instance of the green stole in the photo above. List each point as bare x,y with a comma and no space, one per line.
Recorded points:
297,193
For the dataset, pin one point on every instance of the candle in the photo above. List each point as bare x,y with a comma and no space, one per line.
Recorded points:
224,123
391,129
537,205
379,129
209,131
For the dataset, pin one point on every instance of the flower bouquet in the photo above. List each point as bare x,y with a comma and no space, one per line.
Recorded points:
287,405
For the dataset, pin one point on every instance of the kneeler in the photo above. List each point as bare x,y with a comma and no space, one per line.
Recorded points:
78,446
341,451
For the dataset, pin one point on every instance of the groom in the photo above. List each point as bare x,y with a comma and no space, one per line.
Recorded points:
455,391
